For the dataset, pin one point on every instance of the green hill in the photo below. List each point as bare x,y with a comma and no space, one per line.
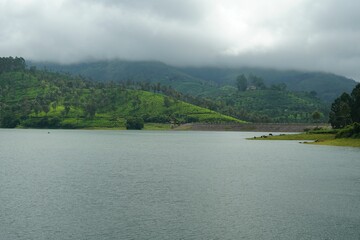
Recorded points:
269,105
214,88
204,81
123,71
40,99
327,86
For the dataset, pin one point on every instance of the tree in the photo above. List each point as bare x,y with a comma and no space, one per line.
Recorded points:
340,114
279,87
316,116
256,81
90,109
241,83
355,105
8,120
167,102
46,108
135,123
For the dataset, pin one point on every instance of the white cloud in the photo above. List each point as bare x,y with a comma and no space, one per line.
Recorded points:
303,34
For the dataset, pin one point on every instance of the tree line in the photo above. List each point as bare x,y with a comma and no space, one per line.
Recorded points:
8,64
253,82
91,97
345,110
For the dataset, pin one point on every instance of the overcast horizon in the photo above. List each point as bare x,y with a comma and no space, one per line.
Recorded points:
309,35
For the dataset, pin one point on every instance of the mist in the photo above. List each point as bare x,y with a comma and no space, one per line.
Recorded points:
307,35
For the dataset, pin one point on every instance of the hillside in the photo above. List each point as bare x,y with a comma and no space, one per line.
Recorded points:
214,88
270,105
203,81
327,86
39,99
122,71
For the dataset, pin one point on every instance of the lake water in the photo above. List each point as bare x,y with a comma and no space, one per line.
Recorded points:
174,185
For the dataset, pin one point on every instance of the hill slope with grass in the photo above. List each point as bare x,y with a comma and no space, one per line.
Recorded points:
204,81
270,105
214,88
40,99
327,86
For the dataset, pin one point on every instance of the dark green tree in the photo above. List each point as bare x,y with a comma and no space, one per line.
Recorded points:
66,107
355,106
135,123
90,109
316,116
8,120
257,82
279,87
167,102
340,113
241,83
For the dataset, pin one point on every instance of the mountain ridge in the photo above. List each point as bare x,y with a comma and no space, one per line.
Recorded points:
204,81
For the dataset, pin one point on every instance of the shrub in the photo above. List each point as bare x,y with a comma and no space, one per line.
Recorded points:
350,131
135,123
9,120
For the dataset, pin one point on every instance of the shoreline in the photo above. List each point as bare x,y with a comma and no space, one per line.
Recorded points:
327,139
234,127
251,127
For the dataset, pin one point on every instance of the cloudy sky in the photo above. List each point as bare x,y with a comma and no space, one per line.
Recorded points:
287,34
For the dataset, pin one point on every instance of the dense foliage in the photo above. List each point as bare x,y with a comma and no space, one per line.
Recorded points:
135,123
8,64
350,131
41,99
258,99
200,81
346,109
326,86
256,102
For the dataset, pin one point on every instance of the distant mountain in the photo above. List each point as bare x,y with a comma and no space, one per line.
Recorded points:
205,81
214,88
122,71
327,86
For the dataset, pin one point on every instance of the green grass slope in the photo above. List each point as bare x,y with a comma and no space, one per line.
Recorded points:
42,99
327,86
215,88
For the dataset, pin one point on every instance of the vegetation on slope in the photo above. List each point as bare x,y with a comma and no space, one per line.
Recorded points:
345,120
274,103
327,86
346,109
40,99
203,81
122,71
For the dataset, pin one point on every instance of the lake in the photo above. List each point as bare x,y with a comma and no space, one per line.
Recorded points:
78,184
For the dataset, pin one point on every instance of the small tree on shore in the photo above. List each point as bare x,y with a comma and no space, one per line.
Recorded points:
135,123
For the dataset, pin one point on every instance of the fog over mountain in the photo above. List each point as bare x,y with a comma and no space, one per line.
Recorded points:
318,35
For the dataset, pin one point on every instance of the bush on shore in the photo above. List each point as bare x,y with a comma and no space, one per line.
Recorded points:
350,131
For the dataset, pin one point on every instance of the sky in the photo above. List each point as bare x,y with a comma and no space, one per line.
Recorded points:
321,35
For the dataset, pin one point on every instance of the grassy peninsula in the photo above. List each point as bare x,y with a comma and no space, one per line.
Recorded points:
344,118
347,137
